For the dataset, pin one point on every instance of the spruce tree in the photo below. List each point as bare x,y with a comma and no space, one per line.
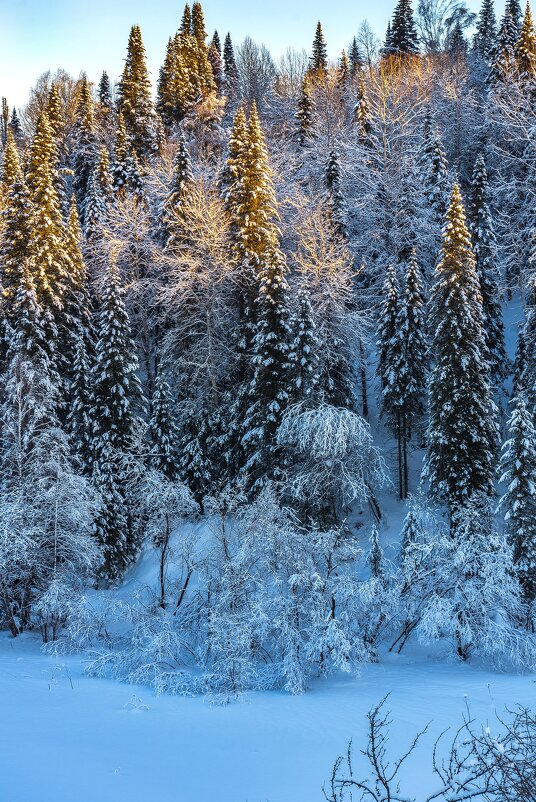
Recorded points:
13,250
525,367
525,49
163,430
134,96
271,385
112,529
95,209
56,116
186,21
403,38
513,7
104,93
216,42
318,62
230,69
504,54
304,115
125,168
116,386
335,202
16,127
388,41
214,58
85,150
518,465
436,180
356,59
343,72
486,31
462,431
485,248
361,114
170,229
198,23
304,353
10,162
79,416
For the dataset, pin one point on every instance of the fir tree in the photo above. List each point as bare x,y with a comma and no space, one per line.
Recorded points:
304,115
186,21
216,42
525,367
56,115
361,114
504,54
403,36
436,179
230,69
95,209
111,528
513,7
214,58
198,23
10,162
485,248
270,389
356,59
318,62
462,432
16,127
170,229
163,430
104,93
525,50
518,464
85,148
486,31
230,176
304,353
79,416
336,205
116,387
125,169
343,73
457,43
388,40
134,96
13,250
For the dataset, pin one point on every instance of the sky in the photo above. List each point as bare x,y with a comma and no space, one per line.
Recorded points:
36,35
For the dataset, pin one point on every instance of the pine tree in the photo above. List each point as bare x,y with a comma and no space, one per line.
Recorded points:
304,353
230,69
525,50
163,430
335,202
403,38
318,62
486,31
462,432
170,229
304,115
134,96
485,248
270,389
518,464
10,162
76,297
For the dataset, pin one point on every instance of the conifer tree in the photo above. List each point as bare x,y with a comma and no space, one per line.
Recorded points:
513,7
525,50
216,42
10,162
111,527
462,432
79,416
271,385
504,54
56,116
485,248
343,73
85,151
388,41
125,169
403,36
134,96
116,387
76,297
356,59
318,62
214,58
304,353
16,127
186,22
486,31
336,204
390,348
95,210
518,465
230,176
230,69
170,229
457,43
49,261
304,115
525,367
163,430
361,114
13,250
436,179
198,23
104,93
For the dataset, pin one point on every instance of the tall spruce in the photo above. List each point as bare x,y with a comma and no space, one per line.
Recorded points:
486,31
485,248
525,49
462,431
163,430
403,37
304,115
134,96
318,62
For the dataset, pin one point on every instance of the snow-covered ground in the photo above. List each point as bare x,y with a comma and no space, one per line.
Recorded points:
68,738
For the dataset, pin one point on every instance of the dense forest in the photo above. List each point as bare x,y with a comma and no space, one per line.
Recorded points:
268,295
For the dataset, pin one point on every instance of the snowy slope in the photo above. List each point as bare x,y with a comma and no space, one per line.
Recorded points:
73,738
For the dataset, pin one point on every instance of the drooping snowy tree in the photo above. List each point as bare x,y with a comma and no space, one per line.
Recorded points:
462,431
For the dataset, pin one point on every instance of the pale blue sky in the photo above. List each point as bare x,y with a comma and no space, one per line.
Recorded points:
91,35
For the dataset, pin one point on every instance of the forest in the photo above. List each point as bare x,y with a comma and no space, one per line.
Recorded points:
269,326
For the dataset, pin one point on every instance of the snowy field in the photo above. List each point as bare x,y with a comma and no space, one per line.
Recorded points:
68,738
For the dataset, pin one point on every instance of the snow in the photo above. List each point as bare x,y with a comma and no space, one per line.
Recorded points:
67,737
